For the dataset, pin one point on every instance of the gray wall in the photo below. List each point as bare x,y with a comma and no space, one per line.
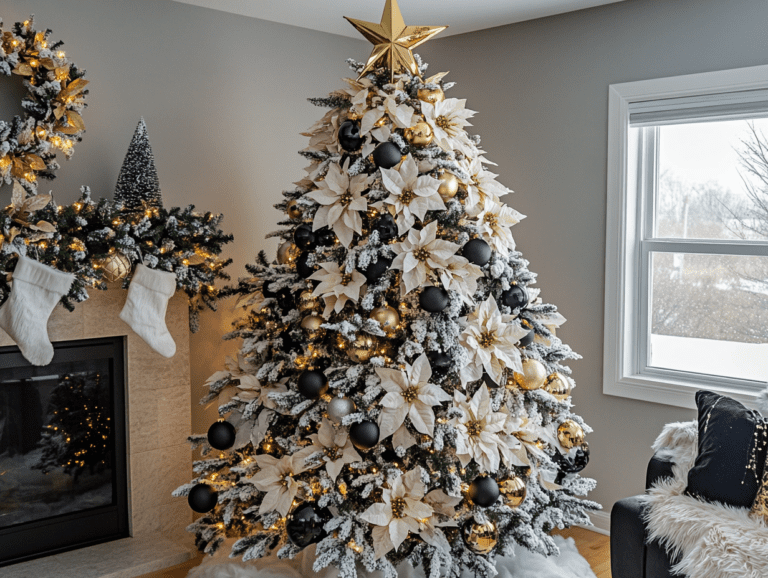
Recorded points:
541,89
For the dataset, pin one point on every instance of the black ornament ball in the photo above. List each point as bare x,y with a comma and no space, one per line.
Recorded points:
266,291
349,136
374,271
581,459
433,299
386,227
304,525
304,238
325,237
202,498
484,491
302,268
312,384
527,339
364,435
221,435
439,361
386,155
285,299
516,296
477,252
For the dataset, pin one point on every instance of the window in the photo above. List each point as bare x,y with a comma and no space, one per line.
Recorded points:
686,303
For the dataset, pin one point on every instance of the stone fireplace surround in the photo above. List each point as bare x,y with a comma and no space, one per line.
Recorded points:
158,398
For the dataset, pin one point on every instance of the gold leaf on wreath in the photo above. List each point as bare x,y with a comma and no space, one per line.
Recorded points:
48,63
43,226
59,111
36,202
34,162
24,69
75,120
73,88
12,234
195,259
18,196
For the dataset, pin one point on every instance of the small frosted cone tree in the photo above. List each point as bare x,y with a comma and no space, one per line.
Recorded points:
400,393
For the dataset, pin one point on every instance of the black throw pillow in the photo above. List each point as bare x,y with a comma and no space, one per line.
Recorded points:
731,457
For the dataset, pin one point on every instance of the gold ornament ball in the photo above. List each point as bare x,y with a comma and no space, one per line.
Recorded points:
480,538
419,135
307,301
558,385
311,325
293,209
362,348
570,434
431,95
388,318
513,490
287,253
449,185
116,267
533,376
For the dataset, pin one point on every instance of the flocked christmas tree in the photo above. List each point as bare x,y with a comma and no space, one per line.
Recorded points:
400,393
138,186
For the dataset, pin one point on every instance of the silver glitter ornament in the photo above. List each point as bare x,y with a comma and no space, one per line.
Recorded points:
339,408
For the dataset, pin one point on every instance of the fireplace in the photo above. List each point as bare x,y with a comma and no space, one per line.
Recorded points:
63,480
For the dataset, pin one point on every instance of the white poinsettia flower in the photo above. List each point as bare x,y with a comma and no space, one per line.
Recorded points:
429,528
377,104
481,184
341,203
448,119
411,195
250,389
461,276
399,514
275,477
494,221
323,135
410,394
337,287
489,338
336,447
478,431
422,256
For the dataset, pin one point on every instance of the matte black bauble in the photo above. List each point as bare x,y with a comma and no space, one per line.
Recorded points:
325,237
484,491
202,498
266,291
527,339
304,238
286,299
514,297
374,271
302,268
312,384
349,136
364,435
304,525
433,299
386,227
477,252
221,435
439,361
386,155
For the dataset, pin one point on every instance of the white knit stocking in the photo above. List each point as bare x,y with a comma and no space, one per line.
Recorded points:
35,291
145,307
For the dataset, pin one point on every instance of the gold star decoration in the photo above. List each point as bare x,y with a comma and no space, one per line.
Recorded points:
393,41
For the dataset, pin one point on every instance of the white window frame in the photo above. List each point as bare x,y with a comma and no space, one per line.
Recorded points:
629,215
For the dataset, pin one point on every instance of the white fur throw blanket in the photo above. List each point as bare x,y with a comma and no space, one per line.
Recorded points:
711,540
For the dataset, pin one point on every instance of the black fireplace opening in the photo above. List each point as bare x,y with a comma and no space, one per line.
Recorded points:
63,480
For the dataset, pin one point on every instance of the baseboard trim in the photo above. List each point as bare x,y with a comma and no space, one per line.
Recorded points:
601,521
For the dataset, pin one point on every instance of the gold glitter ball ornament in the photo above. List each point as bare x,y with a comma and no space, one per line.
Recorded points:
480,538
513,490
533,376
431,95
419,135
308,302
558,385
115,267
362,348
570,434
287,253
311,325
388,318
449,185
294,209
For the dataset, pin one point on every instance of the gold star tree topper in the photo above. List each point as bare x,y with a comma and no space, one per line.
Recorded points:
393,41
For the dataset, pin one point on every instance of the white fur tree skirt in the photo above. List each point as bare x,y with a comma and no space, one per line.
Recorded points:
570,564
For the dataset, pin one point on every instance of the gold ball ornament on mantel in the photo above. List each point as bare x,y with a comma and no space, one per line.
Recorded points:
480,538
388,318
362,348
570,434
533,377
308,302
294,209
558,385
312,326
449,185
287,253
431,95
419,135
513,490
115,267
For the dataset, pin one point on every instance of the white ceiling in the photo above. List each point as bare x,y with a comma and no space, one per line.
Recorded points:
460,15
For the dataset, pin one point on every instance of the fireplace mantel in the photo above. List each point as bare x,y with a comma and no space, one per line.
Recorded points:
159,459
